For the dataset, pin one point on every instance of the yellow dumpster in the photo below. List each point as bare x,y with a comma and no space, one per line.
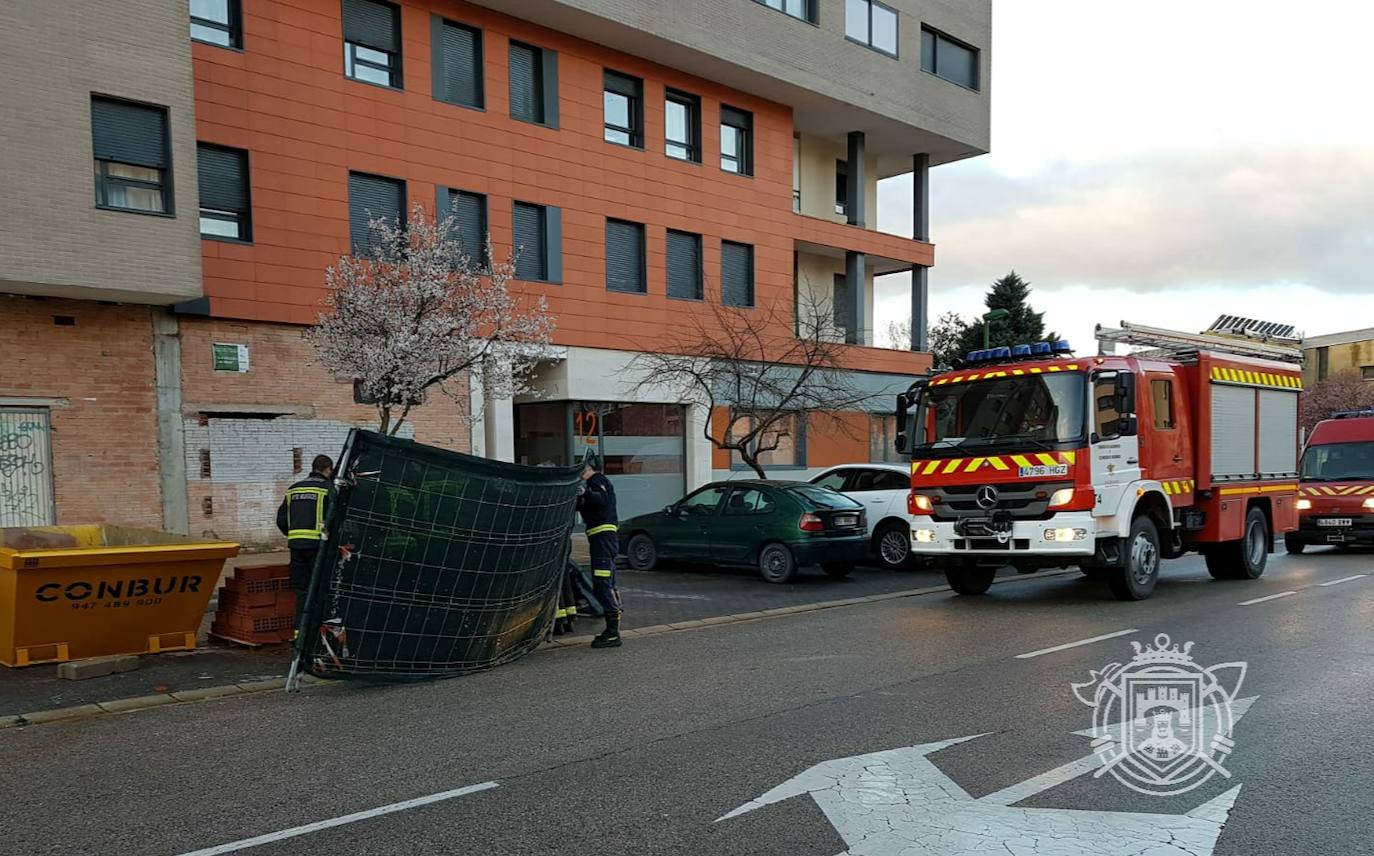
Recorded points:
68,592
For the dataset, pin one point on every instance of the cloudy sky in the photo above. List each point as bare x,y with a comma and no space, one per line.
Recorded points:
1164,163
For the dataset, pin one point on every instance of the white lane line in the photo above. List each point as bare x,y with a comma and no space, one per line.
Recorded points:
1268,597
1068,645
1344,580
339,821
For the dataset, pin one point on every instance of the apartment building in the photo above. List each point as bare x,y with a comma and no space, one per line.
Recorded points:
201,165
1337,353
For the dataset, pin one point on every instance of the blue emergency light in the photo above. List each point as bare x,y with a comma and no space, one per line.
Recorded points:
1002,353
1020,351
1042,349
1062,347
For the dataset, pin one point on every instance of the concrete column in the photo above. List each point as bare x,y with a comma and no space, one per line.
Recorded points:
854,273
476,410
920,308
171,429
920,196
855,184
498,423
698,449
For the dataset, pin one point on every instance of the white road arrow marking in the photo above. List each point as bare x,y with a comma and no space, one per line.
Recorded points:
898,803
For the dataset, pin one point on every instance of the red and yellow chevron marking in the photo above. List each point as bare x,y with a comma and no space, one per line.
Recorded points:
1253,378
1009,464
1348,490
992,374
1268,488
1178,487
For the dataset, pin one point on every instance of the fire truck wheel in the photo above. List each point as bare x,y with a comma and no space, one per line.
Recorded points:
1244,559
1294,544
969,577
1139,571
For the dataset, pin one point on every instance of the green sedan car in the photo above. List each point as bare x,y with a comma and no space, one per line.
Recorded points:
775,526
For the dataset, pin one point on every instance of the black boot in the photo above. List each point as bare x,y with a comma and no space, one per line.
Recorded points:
610,637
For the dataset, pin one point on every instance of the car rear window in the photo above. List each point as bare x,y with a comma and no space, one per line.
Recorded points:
822,497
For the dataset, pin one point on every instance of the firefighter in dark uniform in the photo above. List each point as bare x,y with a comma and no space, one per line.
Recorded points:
596,503
301,519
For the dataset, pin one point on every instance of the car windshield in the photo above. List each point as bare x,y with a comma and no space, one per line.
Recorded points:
1338,462
823,497
1022,411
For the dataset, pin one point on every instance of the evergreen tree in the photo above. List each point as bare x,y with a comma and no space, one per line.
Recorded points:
1023,326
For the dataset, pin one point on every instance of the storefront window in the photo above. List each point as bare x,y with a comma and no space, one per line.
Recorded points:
882,437
541,435
788,434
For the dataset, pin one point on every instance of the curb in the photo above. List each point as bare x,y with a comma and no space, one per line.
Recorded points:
186,697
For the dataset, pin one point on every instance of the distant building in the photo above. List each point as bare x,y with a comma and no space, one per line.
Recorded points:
1334,353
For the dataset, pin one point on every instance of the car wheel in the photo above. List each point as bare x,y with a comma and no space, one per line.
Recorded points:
641,553
838,570
1293,544
776,563
1244,559
970,577
1138,573
892,545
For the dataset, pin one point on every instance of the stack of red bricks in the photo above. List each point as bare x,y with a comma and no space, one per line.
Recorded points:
257,606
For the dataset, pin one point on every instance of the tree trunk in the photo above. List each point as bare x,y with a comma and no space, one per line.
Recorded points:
752,461
385,420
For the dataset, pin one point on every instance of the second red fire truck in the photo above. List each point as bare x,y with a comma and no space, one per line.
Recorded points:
1036,458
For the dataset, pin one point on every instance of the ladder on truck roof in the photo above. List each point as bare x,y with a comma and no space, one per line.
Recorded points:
1185,346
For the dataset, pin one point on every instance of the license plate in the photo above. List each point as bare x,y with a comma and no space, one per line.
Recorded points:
1335,521
846,520
1042,472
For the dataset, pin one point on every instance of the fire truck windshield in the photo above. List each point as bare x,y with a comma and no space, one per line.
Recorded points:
1338,462
1040,411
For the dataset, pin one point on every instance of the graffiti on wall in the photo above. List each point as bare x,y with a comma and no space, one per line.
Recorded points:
26,497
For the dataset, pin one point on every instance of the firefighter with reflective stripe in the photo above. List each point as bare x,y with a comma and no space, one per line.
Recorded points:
596,503
301,519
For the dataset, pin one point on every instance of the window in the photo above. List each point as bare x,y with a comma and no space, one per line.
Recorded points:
625,257
882,436
538,242
132,161
457,63
949,58
1162,398
469,213
224,208
704,502
623,97
834,480
736,274
804,10
1106,418
748,501
1367,372
1323,363
870,23
683,123
372,42
684,265
736,141
372,197
217,22
842,187
784,441
533,84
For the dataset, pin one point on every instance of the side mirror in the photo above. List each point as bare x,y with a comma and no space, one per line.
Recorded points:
670,510
1127,426
1125,393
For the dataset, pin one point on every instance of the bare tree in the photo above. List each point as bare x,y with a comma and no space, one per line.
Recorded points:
767,367
1345,390
418,313
944,337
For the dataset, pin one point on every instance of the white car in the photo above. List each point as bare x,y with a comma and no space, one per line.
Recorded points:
883,489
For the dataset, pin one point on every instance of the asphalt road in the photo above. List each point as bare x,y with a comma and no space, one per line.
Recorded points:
640,750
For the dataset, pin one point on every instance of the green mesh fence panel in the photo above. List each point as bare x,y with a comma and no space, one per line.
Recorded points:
436,563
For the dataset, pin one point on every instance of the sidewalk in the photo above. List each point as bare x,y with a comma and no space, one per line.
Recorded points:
654,598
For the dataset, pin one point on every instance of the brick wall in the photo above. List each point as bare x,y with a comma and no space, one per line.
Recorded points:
250,423
99,369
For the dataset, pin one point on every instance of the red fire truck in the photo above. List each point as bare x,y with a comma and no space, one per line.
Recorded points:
1032,457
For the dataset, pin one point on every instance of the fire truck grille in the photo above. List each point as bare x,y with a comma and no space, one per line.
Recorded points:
1022,500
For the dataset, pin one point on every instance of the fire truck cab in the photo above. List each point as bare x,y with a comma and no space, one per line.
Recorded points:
1032,457
1337,482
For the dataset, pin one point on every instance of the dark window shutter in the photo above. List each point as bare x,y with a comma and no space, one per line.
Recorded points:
530,242
737,118
129,133
460,57
736,274
469,211
624,256
373,24
223,178
684,265
371,197
526,102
